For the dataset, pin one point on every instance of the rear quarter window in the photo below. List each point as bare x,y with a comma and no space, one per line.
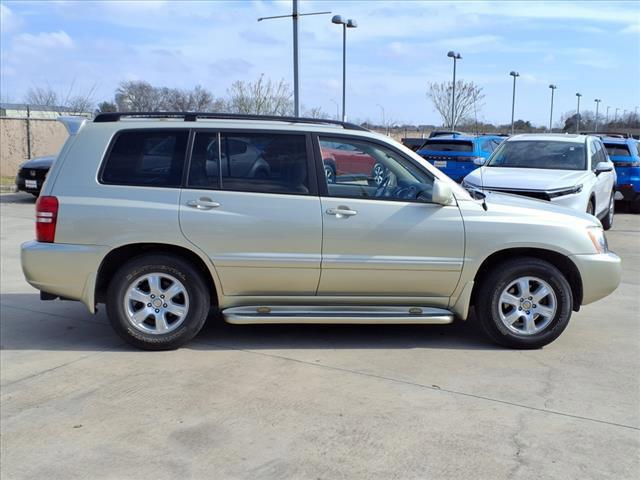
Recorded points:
615,150
146,158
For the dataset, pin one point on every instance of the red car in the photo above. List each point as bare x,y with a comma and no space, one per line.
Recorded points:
344,159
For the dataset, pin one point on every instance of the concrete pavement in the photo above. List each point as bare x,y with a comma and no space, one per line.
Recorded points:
317,402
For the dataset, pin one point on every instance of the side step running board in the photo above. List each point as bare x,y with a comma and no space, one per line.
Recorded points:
342,314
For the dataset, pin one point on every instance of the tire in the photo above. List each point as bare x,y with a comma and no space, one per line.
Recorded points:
378,172
329,172
591,206
607,221
489,305
634,207
168,329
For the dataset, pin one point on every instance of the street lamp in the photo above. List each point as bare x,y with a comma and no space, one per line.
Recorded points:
456,56
346,23
384,123
337,108
513,100
615,117
553,88
597,100
607,118
578,113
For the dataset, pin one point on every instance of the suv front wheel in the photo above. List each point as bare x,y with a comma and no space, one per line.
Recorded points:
524,303
157,302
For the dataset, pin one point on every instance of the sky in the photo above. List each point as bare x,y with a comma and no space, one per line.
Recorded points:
396,50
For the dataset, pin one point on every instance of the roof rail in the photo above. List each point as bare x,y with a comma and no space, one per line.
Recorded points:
193,116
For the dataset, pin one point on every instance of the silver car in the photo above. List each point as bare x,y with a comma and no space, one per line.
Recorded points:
162,219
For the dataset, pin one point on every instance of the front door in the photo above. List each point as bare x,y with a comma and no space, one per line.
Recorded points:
387,238
256,212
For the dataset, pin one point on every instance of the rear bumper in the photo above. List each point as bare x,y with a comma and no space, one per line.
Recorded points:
628,192
600,273
63,269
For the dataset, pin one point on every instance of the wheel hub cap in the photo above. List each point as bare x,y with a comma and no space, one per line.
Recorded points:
527,305
156,303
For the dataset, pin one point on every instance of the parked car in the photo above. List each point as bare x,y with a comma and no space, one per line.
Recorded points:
443,133
625,154
341,159
569,170
162,238
455,154
32,174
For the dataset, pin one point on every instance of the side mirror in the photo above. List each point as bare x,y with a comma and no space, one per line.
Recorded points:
441,192
603,167
479,161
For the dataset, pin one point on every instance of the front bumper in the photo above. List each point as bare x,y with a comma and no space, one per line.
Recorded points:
600,273
63,269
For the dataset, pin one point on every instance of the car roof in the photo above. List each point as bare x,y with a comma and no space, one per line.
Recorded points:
547,137
469,138
618,140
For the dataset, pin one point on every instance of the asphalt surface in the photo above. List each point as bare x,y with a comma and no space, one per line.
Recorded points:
315,402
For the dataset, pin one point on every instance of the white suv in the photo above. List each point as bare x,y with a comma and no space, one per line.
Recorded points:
570,170
164,216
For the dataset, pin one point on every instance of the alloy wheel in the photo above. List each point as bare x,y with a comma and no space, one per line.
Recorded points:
527,305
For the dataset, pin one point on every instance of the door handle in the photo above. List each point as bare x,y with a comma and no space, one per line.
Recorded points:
341,211
203,203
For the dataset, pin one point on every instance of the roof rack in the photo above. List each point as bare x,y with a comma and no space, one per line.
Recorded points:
607,134
193,116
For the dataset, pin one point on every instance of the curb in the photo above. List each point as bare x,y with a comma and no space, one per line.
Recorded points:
8,189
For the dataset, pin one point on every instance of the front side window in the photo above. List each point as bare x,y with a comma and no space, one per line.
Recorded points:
147,158
552,155
357,168
250,162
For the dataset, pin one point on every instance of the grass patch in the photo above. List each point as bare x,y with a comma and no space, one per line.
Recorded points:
7,181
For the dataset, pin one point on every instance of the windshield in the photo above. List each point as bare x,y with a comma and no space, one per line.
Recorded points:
448,146
540,154
615,150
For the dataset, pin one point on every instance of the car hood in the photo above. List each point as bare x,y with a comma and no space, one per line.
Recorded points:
525,178
39,162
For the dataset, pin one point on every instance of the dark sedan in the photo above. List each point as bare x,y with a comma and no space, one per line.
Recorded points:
32,174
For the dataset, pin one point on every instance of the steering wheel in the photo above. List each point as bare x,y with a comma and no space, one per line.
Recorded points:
382,187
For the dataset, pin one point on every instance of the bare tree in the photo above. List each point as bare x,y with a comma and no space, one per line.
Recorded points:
467,102
262,97
70,102
315,112
138,96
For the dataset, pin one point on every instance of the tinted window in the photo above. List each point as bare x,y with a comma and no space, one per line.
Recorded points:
540,154
448,146
488,146
271,163
361,169
149,157
617,150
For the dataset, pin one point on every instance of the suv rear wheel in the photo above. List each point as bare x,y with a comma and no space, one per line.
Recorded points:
524,303
157,302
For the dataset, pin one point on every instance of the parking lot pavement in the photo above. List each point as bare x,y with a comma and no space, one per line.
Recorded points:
315,401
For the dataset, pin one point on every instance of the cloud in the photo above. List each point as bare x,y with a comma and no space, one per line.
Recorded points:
44,40
230,67
9,21
633,28
261,38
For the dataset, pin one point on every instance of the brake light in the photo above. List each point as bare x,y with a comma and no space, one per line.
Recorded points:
46,218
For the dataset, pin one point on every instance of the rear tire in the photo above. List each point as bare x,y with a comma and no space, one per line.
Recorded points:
549,315
167,325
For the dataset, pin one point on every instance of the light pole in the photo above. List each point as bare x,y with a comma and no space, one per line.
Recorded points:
578,113
553,88
615,117
294,16
456,56
337,108
607,117
597,100
346,23
384,123
513,99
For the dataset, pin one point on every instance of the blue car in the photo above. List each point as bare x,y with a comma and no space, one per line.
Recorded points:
625,155
455,154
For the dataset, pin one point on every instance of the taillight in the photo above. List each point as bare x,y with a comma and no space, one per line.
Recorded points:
46,217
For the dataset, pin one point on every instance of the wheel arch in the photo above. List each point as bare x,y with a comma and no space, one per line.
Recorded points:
116,257
560,261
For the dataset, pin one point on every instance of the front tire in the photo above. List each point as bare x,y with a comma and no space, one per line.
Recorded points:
607,221
157,302
524,303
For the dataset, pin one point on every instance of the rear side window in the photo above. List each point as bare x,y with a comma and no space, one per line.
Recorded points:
146,158
615,150
449,146
250,162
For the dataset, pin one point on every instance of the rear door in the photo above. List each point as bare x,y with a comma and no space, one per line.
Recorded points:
256,213
605,181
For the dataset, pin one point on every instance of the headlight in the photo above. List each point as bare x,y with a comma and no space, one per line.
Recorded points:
596,234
